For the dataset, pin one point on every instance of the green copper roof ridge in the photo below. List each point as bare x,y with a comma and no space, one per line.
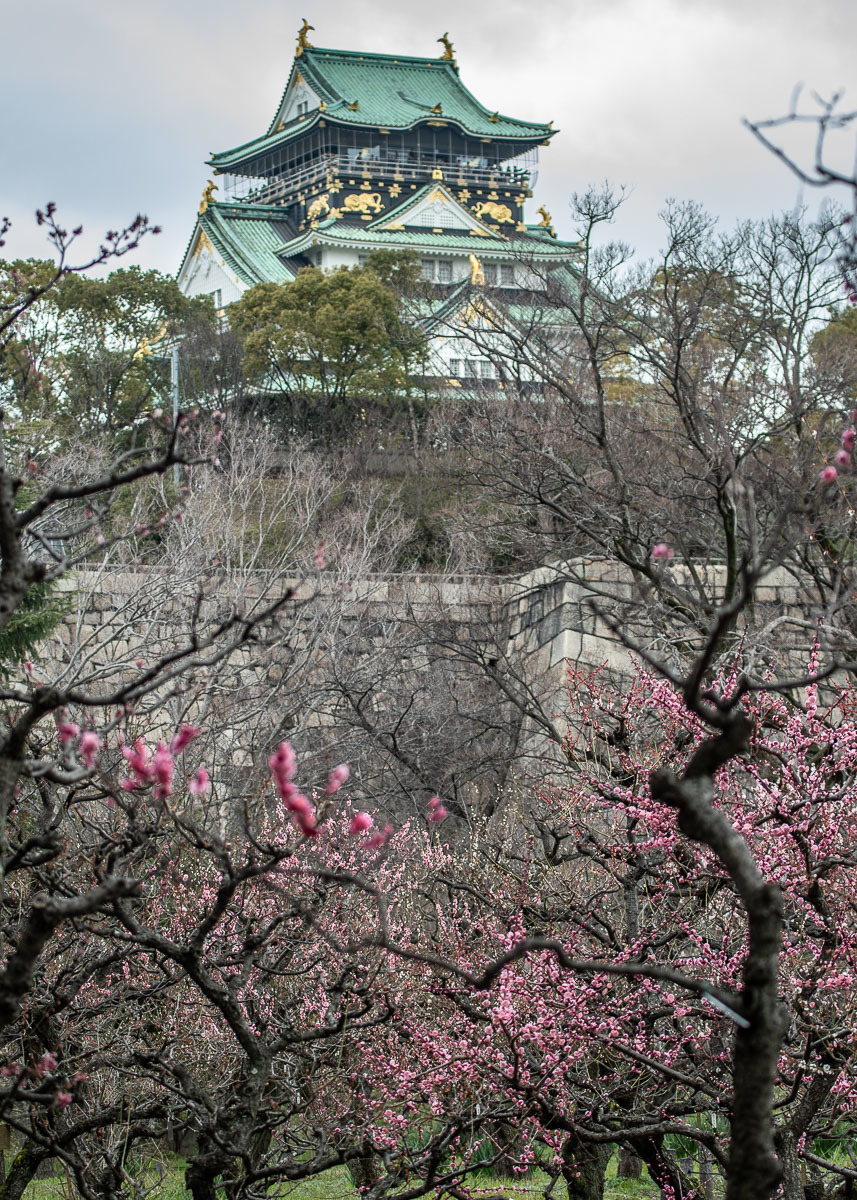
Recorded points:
447,65
344,235
246,260
210,222
310,64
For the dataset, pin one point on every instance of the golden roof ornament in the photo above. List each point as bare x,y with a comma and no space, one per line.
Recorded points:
208,195
144,346
546,221
303,41
448,52
437,110
477,274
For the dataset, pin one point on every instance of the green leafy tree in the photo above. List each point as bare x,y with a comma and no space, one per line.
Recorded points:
331,345
91,355
38,615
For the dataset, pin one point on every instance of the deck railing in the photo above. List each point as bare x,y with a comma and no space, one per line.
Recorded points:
279,189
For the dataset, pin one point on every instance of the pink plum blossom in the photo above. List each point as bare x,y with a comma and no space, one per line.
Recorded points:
827,474
360,822
163,766
662,552
67,732
183,737
90,744
200,782
336,778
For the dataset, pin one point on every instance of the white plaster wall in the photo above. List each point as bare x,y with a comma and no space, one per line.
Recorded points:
300,93
205,273
334,257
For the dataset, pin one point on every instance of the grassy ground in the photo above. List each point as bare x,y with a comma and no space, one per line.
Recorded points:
336,1185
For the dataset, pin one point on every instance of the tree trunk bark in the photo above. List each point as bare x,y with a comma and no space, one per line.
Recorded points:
507,1141
584,1165
364,1169
20,1174
630,1164
200,1175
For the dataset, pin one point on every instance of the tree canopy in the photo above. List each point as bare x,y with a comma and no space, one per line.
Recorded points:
328,345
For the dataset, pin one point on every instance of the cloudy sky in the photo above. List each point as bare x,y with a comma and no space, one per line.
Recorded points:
110,108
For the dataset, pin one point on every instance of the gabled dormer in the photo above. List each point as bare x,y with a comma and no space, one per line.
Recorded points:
436,208
299,100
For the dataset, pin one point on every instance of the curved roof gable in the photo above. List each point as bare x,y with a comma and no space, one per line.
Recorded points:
396,91
381,91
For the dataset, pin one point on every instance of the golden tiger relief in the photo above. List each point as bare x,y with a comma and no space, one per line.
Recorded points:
319,206
363,203
501,213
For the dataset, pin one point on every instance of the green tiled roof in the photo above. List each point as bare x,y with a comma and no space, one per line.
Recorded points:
391,92
249,240
343,233
397,91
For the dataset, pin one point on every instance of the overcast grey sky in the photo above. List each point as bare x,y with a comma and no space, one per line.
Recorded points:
110,107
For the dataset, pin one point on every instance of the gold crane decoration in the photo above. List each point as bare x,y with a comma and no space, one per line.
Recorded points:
208,195
303,41
448,52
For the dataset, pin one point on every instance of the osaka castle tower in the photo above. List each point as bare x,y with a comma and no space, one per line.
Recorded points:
388,152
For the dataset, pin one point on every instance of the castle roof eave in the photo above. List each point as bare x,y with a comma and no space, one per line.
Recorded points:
339,77
245,239
337,233
240,155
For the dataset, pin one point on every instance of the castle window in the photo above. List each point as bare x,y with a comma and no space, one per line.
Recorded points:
490,270
437,271
507,274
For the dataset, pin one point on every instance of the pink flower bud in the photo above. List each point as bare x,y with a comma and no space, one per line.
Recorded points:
848,436
48,1061
662,552
438,814
842,459
336,778
360,822
183,737
90,744
67,732
162,768
827,474
63,1099
379,839
200,782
